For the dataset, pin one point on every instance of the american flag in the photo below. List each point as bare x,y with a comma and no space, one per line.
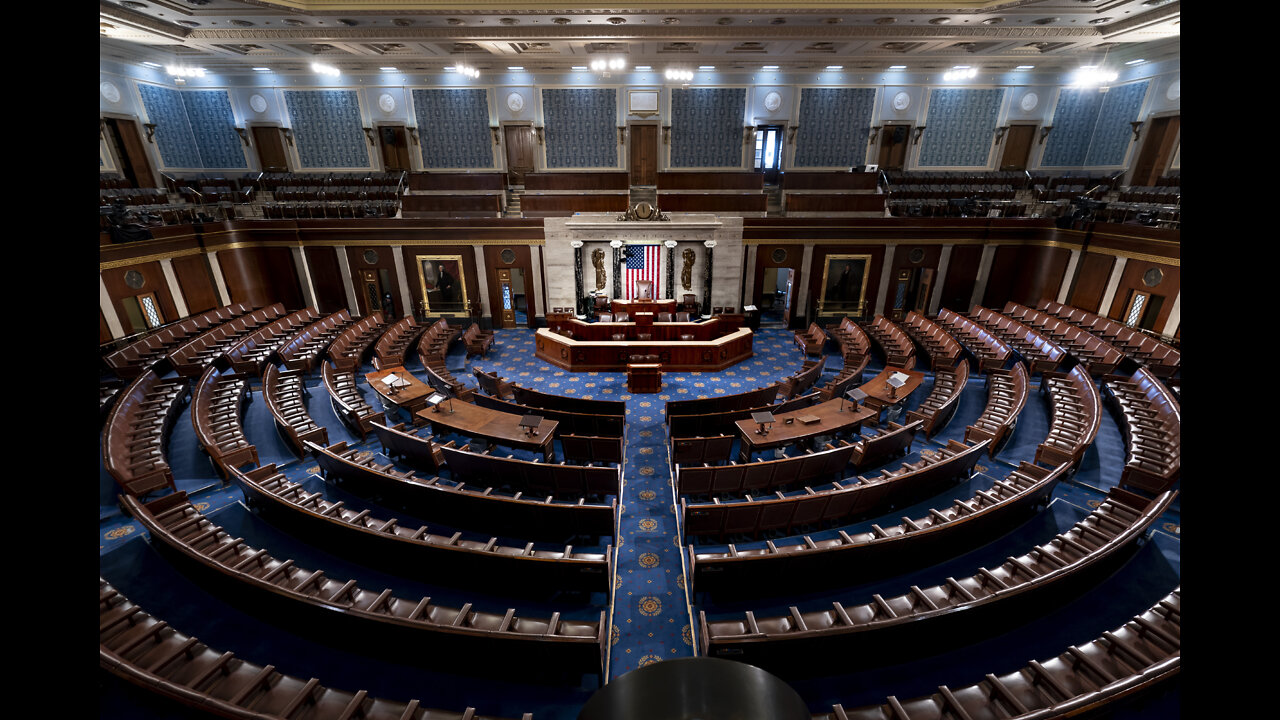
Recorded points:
642,264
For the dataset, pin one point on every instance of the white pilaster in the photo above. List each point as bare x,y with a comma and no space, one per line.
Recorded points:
304,272
1113,282
406,300
749,291
944,262
175,291
802,297
345,266
535,259
109,310
482,282
984,271
886,278
1065,290
1175,315
223,295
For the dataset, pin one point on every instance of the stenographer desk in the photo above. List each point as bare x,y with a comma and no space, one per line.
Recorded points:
705,346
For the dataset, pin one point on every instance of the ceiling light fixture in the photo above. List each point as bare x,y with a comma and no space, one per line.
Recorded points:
769,67
579,67
387,69
1135,62
262,69
151,64
644,67
1024,67
184,72
897,67
835,67
679,74
1091,76
466,70
325,69
960,72
515,67
706,67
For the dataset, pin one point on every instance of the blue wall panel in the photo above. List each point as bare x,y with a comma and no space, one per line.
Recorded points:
706,127
581,127
327,128
214,127
453,127
960,127
834,123
173,136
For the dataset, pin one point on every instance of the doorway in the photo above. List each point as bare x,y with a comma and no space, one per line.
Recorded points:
1017,147
514,310
519,142
776,295
1157,151
270,146
373,284
129,150
893,147
1142,309
911,292
644,154
395,148
768,158
142,312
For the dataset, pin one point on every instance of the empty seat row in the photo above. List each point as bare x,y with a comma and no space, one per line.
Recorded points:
572,423
303,350
801,381
1162,359
217,405
191,357
348,350
990,351
285,392
704,479
394,344
339,210
1099,356
1006,397
897,347
347,400
1076,415
937,409
477,341
1152,422
811,340
133,445
592,450
132,359
251,352
943,350
1040,352
539,479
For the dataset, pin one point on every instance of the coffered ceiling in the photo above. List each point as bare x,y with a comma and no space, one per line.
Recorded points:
232,36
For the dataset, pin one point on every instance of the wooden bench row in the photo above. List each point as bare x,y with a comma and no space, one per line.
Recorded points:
989,350
943,350
811,340
129,361
592,450
217,405
348,401
250,353
836,503
724,422
534,398
939,407
1098,356
801,381
796,568
348,350
1007,392
306,348
702,480
1076,411
711,450
1139,655
477,341
536,478
394,343
136,430
951,612
1039,352
571,423
1152,422
202,546
154,657
1161,359
190,358
723,403
285,392
894,343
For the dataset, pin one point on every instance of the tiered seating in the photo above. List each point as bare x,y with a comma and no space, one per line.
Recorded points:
711,450
1162,360
572,423
303,350
703,479
433,346
721,192
129,361
1077,413
723,403
133,196
1006,396
876,447
493,385
391,547
191,358
533,398
897,347
460,505
943,350
1142,653
460,633
1152,422
348,349
831,194
812,565
811,340
1037,350
284,391
990,351
855,348
804,641
347,400
723,422
1097,356
801,381
345,210
469,194
539,479
216,408
591,450
250,353
836,503
154,657
396,341
937,409
133,443
477,341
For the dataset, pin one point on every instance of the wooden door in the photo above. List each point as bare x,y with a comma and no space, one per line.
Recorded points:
1157,151
134,164
519,152
507,310
894,141
644,154
768,152
270,146
370,291
395,148
1017,147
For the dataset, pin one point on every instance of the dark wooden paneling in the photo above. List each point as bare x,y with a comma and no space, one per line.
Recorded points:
1091,281
1040,275
1131,279
198,291
457,181
1005,270
386,260
820,253
577,181
644,154
326,280
270,147
413,272
247,282
451,205
493,262
902,261
764,259
710,180
282,275
535,205
802,180
835,202
712,202
152,282
962,275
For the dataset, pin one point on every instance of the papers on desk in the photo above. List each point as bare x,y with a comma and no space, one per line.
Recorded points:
395,381
898,379
749,308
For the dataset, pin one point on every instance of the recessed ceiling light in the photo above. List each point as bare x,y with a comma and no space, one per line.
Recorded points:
617,20
778,21
262,69
402,22
993,21
835,67
562,21
1100,21
940,21
388,69
151,64
833,20
1131,62
448,68
1024,67
671,21
769,67
897,67
579,67
509,21
706,67
515,67
885,20
724,21
644,67
1046,21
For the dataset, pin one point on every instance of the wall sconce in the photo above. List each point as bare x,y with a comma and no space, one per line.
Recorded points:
794,130
919,132
666,134
1137,127
494,129
413,135
875,132
622,134
537,131
1044,133
151,131
1000,131
244,136
368,132
288,135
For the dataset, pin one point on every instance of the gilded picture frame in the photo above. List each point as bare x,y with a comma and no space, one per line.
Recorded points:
442,277
844,285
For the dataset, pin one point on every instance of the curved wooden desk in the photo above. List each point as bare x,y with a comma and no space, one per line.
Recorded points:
411,396
699,355
494,425
881,395
831,420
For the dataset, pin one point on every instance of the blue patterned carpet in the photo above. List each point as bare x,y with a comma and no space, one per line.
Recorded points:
650,613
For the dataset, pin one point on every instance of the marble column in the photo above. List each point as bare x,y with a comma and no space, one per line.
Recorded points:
170,279
578,308
984,271
406,297
218,280
706,278
347,285
109,310
1065,290
1175,316
944,262
304,273
1113,284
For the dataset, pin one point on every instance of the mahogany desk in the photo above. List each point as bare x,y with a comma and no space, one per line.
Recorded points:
494,425
704,355
412,397
642,305
878,389
830,421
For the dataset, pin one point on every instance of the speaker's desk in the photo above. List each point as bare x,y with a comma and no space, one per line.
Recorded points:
493,425
698,354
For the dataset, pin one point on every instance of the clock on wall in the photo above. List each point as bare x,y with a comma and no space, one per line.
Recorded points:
515,102
901,101
386,102
110,92
258,103
1175,90
1029,102
772,101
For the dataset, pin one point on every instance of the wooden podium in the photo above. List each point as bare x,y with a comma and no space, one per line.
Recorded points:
644,374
